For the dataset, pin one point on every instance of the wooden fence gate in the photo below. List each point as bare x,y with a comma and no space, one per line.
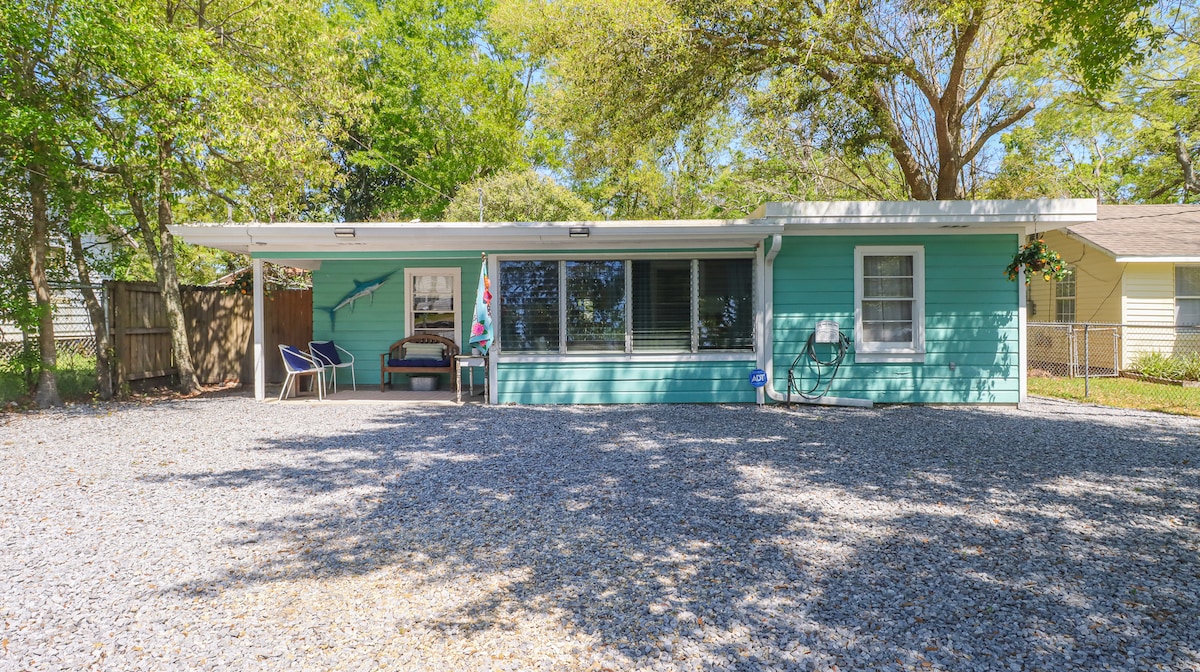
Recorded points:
219,327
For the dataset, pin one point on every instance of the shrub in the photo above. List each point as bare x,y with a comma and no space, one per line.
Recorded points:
1173,367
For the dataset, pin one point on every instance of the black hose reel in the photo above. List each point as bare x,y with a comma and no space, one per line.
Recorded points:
809,364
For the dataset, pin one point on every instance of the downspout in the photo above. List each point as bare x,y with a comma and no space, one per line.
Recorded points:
766,353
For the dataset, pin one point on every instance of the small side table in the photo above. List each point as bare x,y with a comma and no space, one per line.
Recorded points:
471,362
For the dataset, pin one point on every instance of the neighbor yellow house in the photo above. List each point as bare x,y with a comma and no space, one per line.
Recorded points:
1137,266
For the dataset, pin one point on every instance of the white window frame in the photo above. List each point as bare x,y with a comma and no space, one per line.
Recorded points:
561,355
409,284
1073,297
874,351
1175,285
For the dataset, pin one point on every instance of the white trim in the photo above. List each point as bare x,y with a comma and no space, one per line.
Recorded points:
494,351
868,351
260,364
630,358
1158,260
1022,338
411,272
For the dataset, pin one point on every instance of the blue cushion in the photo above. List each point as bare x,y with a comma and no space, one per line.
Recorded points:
327,351
429,363
295,359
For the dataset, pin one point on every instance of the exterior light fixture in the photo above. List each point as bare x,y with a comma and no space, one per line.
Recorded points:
579,232
346,232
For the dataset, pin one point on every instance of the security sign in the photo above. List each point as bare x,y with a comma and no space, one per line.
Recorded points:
758,378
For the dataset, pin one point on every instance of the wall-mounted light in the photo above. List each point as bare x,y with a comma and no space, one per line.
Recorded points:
579,232
346,232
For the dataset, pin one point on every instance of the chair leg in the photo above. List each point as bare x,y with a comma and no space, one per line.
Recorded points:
286,381
353,382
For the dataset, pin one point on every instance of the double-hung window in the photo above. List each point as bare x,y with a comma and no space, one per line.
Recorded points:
674,305
889,300
1187,296
1064,297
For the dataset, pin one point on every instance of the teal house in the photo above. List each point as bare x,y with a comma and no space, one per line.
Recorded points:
835,302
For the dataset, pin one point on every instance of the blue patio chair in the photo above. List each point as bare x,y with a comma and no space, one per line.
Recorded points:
331,355
299,364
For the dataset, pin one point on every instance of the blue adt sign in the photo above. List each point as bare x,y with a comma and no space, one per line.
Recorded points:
758,378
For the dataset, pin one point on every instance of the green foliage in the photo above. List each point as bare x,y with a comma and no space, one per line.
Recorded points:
1185,366
76,377
447,107
1035,257
1136,143
518,197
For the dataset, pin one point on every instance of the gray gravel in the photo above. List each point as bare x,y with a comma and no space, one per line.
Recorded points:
224,534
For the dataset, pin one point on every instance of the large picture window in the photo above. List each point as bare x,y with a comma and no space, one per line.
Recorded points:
1187,296
889,297
627,305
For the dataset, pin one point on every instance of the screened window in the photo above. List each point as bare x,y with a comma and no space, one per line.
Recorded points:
889,295
529,309
1187,296
630,305
1064,298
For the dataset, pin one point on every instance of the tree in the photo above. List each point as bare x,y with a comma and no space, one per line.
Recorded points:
447,106
42,45
517,197
1136,143
931,83
216,105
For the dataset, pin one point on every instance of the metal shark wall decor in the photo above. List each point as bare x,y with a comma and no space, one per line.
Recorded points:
360,290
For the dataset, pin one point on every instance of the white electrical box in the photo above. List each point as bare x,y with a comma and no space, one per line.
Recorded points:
827,331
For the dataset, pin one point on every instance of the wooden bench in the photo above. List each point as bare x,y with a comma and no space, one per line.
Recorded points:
396,352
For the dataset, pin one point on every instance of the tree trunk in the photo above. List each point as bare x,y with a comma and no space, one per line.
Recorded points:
47,386
1191,182
104,372
160,245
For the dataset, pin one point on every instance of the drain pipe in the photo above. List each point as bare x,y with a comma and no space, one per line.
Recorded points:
766,354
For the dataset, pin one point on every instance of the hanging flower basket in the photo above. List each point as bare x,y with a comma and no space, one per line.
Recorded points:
1037,258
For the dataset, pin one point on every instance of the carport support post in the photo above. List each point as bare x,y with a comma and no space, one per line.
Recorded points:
260,372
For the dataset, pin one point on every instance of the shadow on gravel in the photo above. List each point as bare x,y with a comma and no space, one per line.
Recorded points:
742,538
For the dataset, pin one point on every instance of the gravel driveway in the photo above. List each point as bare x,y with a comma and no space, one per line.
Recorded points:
221,533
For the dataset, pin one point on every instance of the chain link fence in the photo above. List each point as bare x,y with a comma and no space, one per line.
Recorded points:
74,336
1160,363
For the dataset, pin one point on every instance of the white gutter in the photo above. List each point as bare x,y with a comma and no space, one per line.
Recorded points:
767,342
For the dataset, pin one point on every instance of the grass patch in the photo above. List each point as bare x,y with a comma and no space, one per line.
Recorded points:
76,380
1122,393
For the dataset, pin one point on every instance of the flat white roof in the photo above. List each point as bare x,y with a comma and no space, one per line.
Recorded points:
308,239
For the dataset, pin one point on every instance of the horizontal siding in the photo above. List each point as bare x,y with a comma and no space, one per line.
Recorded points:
373,323
1098,280
1150,294
970,318
624,382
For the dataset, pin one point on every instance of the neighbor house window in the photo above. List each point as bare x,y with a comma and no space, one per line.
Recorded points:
1064,297
1187,296
627,305
889,297
432,299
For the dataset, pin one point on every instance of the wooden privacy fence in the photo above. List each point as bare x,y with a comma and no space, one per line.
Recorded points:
219,327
